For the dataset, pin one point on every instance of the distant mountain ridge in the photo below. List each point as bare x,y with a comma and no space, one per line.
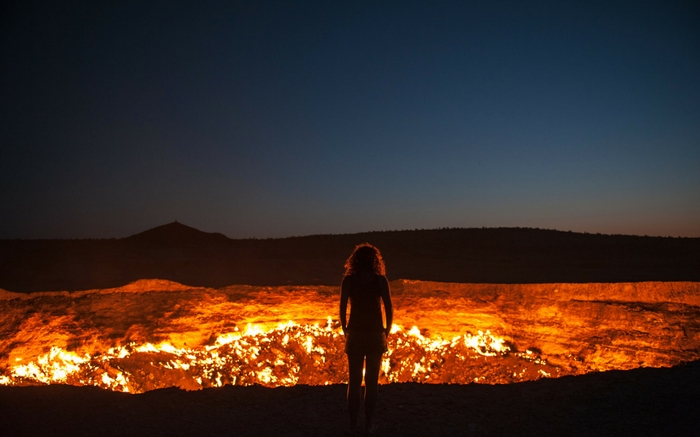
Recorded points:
177,233
183,254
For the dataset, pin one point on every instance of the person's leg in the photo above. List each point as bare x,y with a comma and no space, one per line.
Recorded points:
354,395
374,362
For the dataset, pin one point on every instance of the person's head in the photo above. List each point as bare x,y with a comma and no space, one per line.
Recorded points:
365,258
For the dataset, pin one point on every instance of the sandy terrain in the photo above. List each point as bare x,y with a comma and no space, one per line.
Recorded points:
645,401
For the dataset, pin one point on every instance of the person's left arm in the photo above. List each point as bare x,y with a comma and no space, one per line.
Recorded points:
344,306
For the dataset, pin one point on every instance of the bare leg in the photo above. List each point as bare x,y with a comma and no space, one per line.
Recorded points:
374,362
354,395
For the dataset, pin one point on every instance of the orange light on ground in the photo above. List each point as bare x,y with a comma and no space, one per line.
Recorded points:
156,334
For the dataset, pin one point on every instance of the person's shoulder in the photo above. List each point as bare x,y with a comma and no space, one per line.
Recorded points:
382,279
349,279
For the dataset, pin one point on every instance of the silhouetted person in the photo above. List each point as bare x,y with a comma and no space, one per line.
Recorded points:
365,286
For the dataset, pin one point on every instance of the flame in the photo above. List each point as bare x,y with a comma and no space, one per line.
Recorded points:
135,339
286,355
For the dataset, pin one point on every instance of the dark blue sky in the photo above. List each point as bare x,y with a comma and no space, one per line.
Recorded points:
276,119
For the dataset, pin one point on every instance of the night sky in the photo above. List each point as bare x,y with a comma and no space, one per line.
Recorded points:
266,119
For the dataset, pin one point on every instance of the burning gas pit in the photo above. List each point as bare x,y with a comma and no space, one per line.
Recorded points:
155,334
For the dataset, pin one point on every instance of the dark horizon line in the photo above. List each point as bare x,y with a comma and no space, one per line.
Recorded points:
354,233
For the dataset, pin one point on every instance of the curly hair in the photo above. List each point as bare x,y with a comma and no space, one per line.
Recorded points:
365,257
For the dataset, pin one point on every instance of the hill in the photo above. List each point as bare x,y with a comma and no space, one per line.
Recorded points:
490,255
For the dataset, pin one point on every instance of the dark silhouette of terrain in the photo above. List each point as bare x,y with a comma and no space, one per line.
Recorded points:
492,255
640,402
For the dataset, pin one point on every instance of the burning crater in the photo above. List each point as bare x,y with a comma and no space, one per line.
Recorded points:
153,334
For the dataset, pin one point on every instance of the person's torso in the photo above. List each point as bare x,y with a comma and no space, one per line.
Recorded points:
365,303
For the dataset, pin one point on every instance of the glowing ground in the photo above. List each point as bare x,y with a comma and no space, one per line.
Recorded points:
155,334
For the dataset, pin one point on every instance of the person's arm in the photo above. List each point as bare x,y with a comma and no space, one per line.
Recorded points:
343,306
388,307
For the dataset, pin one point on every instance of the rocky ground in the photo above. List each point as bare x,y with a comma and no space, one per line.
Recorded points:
577,328
640,402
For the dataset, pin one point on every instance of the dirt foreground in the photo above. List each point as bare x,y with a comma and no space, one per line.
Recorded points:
636,402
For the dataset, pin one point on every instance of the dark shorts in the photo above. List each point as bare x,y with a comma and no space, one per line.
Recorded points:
365,342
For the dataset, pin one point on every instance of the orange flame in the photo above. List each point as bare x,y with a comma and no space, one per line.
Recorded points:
155,334
286,355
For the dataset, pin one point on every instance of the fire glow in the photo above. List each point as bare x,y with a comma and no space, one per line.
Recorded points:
135,339
287,355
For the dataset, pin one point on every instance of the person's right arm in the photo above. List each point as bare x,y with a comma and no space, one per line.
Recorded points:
388,306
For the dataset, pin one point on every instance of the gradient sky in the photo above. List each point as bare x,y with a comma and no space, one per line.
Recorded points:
272,119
